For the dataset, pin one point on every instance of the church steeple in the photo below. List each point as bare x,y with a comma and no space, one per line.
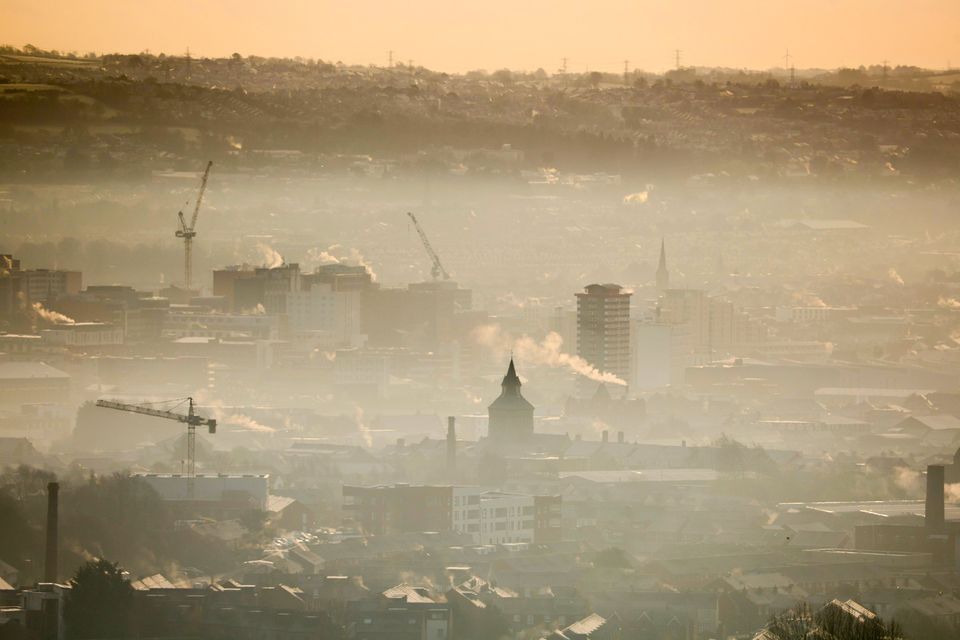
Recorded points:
510,415
511,382
663,275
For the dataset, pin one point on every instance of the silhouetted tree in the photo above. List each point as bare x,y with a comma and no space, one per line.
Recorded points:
100,602
803,623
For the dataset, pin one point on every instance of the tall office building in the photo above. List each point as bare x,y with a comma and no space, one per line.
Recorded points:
603,328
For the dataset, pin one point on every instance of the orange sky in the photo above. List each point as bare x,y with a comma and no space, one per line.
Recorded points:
458,35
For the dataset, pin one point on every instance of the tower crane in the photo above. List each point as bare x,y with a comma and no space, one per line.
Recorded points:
192,421
437,269
189,232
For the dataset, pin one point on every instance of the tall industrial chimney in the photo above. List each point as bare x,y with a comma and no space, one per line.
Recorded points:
935,481
451,445
51,568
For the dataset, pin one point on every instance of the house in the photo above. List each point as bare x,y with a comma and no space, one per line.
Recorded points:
289,514
402,612
593,627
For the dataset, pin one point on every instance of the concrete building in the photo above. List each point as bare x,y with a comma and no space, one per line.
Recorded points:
84,335
42,285
241,491
340,277
185,323
661,354
322,312
224,282
400,508
603,328
494,517
489,517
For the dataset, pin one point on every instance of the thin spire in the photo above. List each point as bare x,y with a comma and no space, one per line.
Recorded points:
663,276
511,379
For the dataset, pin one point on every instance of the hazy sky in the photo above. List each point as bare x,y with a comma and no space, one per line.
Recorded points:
458,35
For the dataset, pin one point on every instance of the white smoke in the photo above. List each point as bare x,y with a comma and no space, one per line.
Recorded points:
225,416
52,317
546,352
246,422
362,426
807,299
894,276
909,480
258,310
948,303
636,198
951,492
356,257
269,256
319,257
334,254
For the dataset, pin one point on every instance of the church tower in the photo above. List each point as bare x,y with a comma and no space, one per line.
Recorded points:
663,276
510,417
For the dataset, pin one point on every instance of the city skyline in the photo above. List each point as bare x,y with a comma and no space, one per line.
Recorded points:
467,36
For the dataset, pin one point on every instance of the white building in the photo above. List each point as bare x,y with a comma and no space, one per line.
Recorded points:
493,517
661,354
321,311
83,334
190,324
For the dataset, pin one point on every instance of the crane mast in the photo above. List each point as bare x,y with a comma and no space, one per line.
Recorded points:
192,420
437,269
189,232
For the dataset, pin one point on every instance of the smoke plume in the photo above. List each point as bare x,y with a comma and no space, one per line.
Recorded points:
269,256
52,317
546,352
894,276
362,426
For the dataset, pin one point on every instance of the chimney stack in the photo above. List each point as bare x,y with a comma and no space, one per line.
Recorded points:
935,499
451,445
620,437
605,436
51,568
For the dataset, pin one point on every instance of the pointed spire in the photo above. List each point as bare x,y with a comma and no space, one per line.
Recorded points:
663,276
511,380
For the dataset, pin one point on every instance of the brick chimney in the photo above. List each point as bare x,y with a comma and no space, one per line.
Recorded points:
451,445
935,511
50,567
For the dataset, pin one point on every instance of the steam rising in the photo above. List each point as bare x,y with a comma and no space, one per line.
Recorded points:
546,352
362,427
333,254
269,256
52,317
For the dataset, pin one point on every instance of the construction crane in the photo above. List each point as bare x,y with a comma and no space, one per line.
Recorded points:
437,269
192,421
189,232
